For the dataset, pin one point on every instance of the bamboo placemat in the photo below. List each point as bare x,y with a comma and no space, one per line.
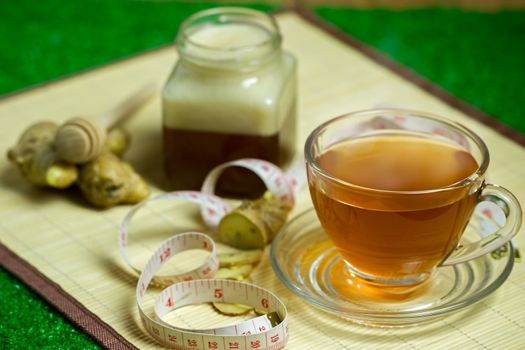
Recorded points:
75,247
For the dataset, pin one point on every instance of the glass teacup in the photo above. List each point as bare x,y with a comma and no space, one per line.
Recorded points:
394,190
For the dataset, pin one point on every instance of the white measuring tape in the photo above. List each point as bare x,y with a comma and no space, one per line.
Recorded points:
269,331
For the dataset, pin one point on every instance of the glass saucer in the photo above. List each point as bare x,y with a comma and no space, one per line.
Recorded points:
306,261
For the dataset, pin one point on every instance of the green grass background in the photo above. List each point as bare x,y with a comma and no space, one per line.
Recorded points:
479,57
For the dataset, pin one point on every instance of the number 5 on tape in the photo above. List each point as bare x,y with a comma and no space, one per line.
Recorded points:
269,331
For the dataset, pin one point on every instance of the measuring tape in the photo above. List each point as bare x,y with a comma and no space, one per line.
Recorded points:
269,331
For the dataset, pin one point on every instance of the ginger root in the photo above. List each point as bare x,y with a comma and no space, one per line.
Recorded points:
37,160
104,181
117,141
107,181
254,223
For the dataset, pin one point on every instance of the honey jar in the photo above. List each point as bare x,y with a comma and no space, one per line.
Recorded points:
231,95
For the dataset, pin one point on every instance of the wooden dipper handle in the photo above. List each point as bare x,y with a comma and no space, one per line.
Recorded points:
126,108
79,140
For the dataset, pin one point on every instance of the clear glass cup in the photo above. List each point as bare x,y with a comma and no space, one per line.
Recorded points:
395,225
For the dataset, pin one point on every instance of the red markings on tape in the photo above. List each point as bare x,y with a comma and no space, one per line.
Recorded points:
195,286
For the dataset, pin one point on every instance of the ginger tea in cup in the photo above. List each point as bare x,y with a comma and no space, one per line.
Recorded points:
395,189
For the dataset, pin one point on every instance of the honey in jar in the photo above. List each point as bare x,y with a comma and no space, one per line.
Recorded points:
231,95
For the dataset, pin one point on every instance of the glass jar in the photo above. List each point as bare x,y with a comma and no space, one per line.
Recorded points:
231,95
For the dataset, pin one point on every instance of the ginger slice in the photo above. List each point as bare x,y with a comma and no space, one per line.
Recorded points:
234,273
240,258
254,223
231,309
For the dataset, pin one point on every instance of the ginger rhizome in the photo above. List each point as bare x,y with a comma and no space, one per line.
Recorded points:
254,223
37,160
105,181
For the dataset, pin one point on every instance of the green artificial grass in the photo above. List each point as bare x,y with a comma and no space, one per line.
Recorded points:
477,56
43,40
27,322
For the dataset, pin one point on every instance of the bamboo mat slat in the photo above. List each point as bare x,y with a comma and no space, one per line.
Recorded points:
75,246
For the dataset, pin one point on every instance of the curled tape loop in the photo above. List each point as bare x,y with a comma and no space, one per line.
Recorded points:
273,177
211,207
257,333
265,332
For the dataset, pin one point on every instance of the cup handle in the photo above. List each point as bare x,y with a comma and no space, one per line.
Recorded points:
512,210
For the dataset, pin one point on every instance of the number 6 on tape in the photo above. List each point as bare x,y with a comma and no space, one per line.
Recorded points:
269,332
265,332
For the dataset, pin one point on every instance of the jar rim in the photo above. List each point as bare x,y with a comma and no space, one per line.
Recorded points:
222,16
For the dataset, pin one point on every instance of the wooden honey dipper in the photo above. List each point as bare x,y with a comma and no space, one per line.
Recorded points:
80,139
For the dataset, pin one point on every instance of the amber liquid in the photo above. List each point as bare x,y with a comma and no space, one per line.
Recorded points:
394,235
190,155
